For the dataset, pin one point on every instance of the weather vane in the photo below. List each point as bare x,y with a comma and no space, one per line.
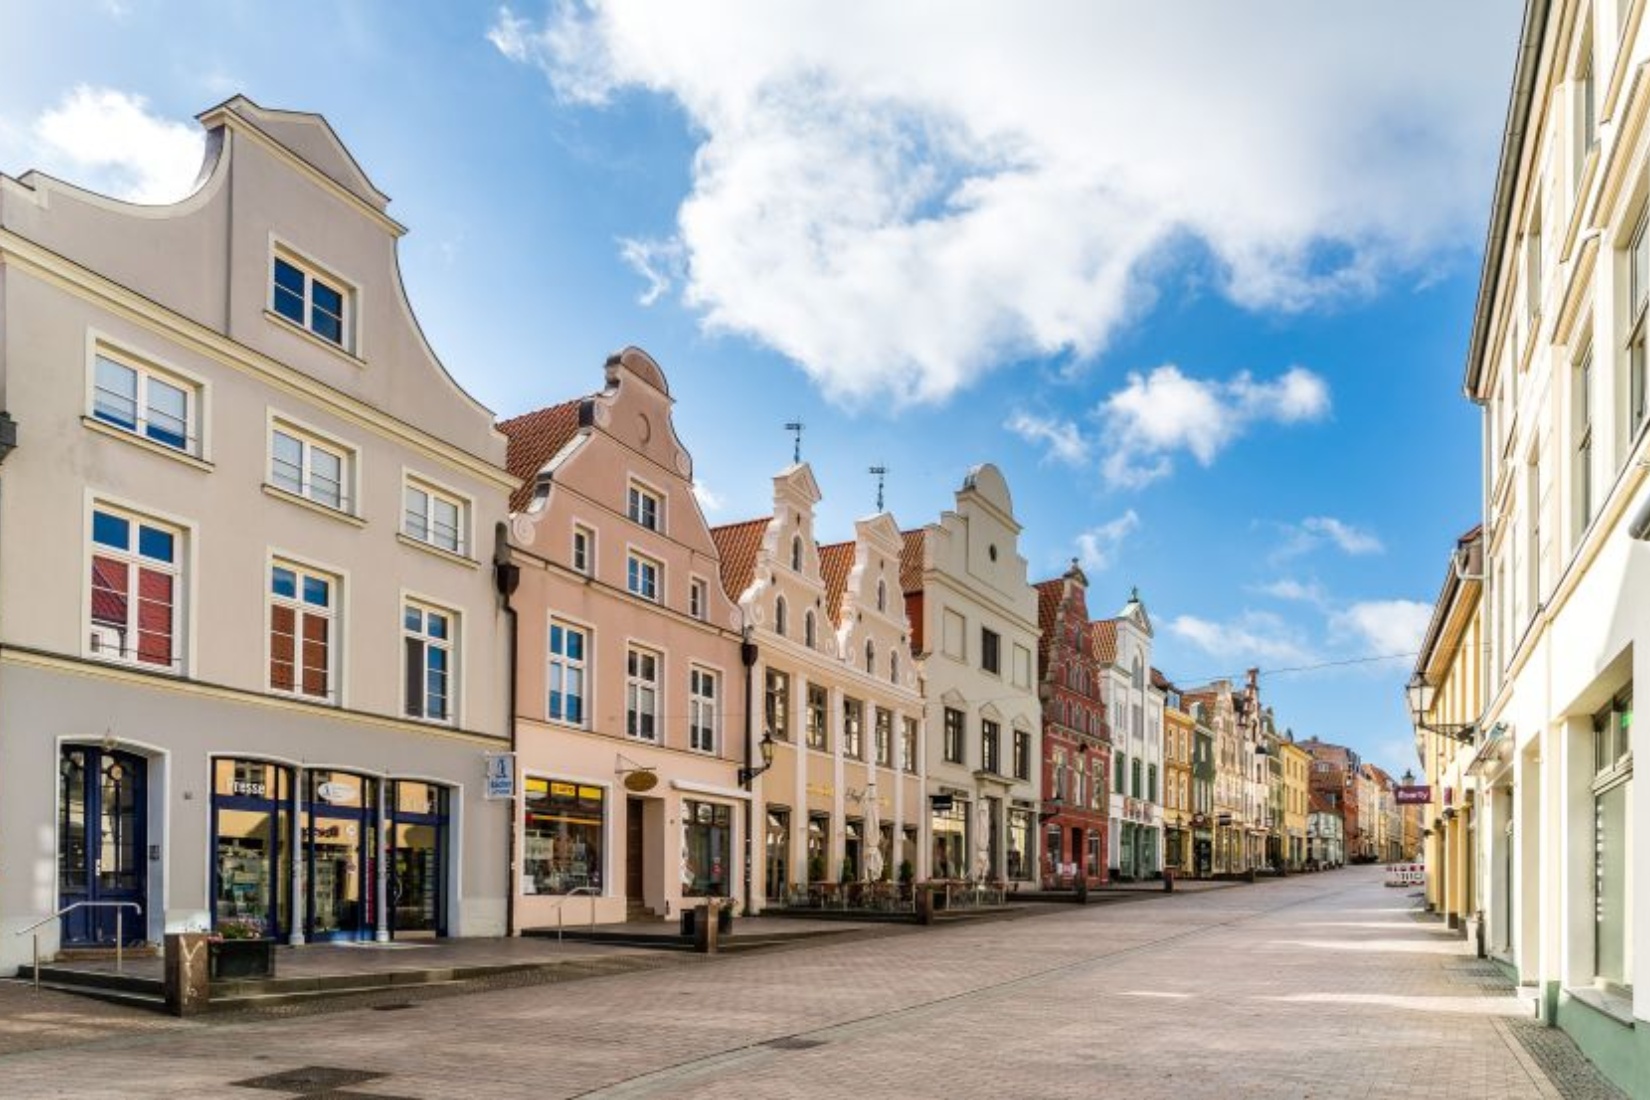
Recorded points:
795,427
880,472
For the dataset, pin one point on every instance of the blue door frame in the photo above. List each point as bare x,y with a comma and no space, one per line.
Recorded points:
280,811
398,883
102,836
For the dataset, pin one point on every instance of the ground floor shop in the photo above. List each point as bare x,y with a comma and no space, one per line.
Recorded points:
183,809
1137,839
982,836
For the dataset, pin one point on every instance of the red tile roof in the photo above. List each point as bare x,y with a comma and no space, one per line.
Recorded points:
1103,634
535,438
1161,682
835,561
738,545
910,561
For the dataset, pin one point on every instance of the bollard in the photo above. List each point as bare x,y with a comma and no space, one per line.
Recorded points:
188,977
705,928
1168,880
925,904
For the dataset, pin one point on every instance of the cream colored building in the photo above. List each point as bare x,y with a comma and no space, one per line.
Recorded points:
251,657
839,694
974,630
1557,362
631,688
1296,769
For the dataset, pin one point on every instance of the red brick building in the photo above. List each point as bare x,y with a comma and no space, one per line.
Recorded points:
1076,738
1334,787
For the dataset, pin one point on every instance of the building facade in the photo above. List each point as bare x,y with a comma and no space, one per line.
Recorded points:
1335,791
630,682
974,632
251,658
1180,809
1076,740
1134,706
1296,766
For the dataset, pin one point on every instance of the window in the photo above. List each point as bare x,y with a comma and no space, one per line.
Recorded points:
1582,419
780,617
1059,769
142,401
428,635
584,550
908,746
853,728
1119,771
1586,104
644,507
990,650
777,704
562,837
882,595
1022,666
434,516
808,630
698,599
707,849
1638,282
796,553
870,657
642,577
1151,782
990,746
642,694
1612,845
311,300
135,580
702,710
953,736
303,607
818,731
1022,754
883,738
1533,553
306,466
952,637
893,667
567,673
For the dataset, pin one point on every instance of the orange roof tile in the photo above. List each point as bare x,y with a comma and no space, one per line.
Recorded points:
535,438
835,561
738,544
910,560
1162,682
1103,634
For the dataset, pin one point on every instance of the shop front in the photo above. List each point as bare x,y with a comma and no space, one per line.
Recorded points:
948,826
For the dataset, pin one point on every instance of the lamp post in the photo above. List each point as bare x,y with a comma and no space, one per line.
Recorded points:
1420,694
765,747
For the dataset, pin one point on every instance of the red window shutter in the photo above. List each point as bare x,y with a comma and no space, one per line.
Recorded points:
109,603
282,648
155,617
316,638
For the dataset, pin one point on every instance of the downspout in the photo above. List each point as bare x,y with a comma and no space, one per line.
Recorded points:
747,656
506,578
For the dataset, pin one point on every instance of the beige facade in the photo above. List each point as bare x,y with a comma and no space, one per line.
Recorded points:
1179,807
843,800
1296,767
630,706
249,620
974,622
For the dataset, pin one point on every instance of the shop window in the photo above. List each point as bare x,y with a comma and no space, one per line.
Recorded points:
1613,846
563,830
1019,844
252,845
949,827
707,847
819,847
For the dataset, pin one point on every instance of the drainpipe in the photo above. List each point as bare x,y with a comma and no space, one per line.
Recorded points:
747,657
506,578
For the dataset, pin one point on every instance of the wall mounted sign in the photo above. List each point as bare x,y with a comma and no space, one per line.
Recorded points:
336,792
640,781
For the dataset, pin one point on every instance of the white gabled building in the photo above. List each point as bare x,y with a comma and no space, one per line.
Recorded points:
1123,647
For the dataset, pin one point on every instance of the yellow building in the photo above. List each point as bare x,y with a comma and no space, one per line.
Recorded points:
1297,767
1178,806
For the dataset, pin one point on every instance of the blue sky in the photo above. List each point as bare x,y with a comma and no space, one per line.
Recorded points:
1199,282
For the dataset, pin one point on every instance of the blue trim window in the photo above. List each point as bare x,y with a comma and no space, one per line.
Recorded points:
428,637
139,400
568,645
309,300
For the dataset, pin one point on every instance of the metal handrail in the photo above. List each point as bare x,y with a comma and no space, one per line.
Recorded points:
590,891
119,907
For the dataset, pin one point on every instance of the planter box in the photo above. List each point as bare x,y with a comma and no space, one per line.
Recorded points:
692,916
242,959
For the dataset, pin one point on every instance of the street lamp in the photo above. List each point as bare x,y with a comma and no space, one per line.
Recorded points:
765,747
1420,695
1409,777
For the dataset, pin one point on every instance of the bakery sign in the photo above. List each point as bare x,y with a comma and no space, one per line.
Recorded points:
336,793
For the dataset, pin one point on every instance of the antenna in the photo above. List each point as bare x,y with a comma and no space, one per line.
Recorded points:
880,472
795,427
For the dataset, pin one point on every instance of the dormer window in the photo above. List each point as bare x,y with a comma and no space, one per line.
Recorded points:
311,299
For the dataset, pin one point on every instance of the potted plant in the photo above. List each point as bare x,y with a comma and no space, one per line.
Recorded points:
816,869
238,948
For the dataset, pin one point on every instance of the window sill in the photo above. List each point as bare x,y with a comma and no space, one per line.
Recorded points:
174,670
430,548
312,700
149,445
330,512
1614,1005
290,325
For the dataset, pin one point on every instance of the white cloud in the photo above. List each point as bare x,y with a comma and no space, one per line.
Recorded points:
710,502
109,141
1064,439
1158,414
659,262
901,196
1098,547
1315,531
1254,637
1384,627
1287,588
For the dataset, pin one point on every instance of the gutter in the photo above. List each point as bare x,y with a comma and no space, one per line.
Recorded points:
1512,150
506,578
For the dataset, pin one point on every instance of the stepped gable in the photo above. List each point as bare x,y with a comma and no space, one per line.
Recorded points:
738,544
535,438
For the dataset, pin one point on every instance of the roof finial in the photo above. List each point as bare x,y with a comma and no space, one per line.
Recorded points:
1134,593
880,472
795,427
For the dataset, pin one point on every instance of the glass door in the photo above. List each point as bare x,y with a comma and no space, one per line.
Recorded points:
339,842
417,860
102,843
776,882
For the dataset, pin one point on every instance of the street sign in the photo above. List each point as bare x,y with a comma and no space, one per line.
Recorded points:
501,775
1412,796
940,803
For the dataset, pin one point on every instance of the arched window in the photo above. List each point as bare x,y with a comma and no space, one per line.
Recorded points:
882,595
870,657
893,668
796,553
779,617
808,630
1139,673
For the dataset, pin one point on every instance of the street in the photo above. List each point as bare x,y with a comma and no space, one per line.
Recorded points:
1323,986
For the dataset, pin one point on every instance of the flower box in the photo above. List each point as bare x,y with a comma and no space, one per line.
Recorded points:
242,959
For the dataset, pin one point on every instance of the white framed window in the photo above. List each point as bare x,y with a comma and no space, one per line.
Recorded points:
642,694
429,637
135,397
1638,284
809,633
698,599
644,506
642,577
312,299
136,589
1582,453
568,673
1586,103
781,618
702,716
435,516
303,620
584,550
310,466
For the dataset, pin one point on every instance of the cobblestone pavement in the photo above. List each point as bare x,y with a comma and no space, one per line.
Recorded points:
1325,986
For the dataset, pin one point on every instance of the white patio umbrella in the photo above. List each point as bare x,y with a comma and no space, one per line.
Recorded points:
982,838
873,836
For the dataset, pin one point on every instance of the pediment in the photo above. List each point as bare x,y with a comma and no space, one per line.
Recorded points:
310,137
